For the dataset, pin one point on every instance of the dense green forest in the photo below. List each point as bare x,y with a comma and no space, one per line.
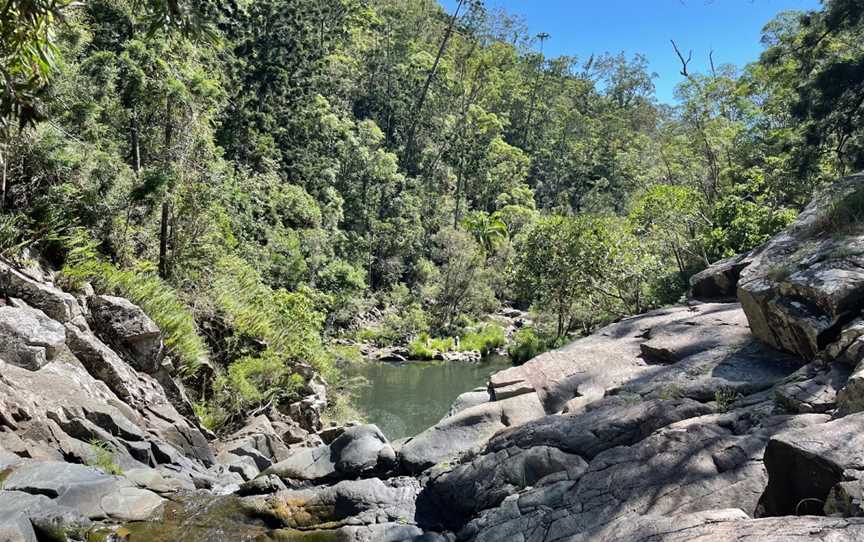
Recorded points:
264,176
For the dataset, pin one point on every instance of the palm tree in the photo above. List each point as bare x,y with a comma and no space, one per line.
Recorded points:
488,230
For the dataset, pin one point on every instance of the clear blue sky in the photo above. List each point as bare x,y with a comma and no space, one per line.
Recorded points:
732,28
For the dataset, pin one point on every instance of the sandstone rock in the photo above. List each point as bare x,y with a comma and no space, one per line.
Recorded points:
129,331
28,338
467,429
720,279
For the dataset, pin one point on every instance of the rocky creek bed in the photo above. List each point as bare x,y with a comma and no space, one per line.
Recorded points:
719,420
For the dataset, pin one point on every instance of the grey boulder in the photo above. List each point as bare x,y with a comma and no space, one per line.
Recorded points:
128,330
28,338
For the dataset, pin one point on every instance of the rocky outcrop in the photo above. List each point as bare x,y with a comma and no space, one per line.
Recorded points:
28,338
711,421
806,284
128,330
357,451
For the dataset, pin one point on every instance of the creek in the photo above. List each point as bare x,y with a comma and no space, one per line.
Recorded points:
403,399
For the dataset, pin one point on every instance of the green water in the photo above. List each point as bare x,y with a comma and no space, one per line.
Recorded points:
403,399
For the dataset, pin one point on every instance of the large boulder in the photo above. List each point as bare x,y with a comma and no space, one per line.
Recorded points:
360,450
257,440
804,464
54,302
348,503
28,338
720,280
25,517
128,330
803,286
92,493
467,429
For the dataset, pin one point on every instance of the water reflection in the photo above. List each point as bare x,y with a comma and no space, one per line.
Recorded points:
404,399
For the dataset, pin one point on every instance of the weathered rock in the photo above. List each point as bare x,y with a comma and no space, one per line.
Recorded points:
257,440
307,411
549,450
613,357
805,284
362,449
729,525
129,331
813,388
469,399
31,518
467,429
846,499
720,280
348,503
91,492
28,338
805,464
263,485
306,464
55,303
711,462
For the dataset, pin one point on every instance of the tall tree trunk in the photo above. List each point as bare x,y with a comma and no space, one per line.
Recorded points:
4,155
136,145
418,108
163,242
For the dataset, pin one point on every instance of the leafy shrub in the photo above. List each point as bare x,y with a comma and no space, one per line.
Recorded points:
103,458
525,346
253,381
485,339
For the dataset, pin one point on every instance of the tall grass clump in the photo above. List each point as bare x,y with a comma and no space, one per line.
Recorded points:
143,287
485,339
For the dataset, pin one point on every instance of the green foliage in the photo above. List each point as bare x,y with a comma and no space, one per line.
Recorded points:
161,302
103,458
526,345
425,347
254,381
485,339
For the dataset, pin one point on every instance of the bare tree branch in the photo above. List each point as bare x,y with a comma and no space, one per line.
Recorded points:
684,63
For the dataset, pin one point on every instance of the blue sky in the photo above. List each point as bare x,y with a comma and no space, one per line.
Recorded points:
732,28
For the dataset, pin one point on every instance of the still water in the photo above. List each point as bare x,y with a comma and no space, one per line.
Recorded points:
403,399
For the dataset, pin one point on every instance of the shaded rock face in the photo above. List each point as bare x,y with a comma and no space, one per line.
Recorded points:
805,465
720,280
